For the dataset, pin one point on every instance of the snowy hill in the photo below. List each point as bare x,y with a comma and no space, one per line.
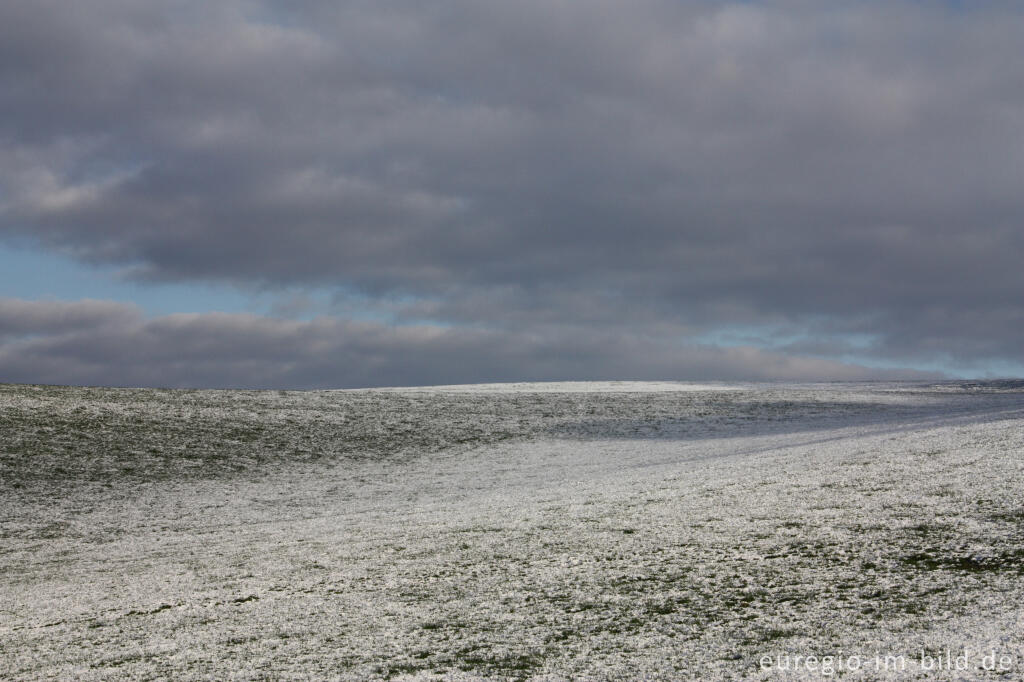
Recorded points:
611,530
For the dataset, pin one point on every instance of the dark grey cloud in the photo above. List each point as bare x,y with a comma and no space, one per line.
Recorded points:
831,170
115,344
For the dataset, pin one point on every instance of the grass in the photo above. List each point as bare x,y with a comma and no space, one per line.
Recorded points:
354,535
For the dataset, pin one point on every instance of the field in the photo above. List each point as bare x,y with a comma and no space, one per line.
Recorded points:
533,531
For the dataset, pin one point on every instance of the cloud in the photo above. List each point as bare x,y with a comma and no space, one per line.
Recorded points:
103,343
843,169
20,318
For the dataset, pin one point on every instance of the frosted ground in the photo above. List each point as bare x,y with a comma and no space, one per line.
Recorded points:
596,531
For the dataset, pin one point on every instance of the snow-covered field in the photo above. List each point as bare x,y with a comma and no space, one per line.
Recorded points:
606,531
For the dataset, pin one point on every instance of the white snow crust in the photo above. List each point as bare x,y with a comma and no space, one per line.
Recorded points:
656,531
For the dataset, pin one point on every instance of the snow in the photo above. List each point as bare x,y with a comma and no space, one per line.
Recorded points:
572,387
509,531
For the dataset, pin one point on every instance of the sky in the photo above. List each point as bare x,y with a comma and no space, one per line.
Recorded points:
316,194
